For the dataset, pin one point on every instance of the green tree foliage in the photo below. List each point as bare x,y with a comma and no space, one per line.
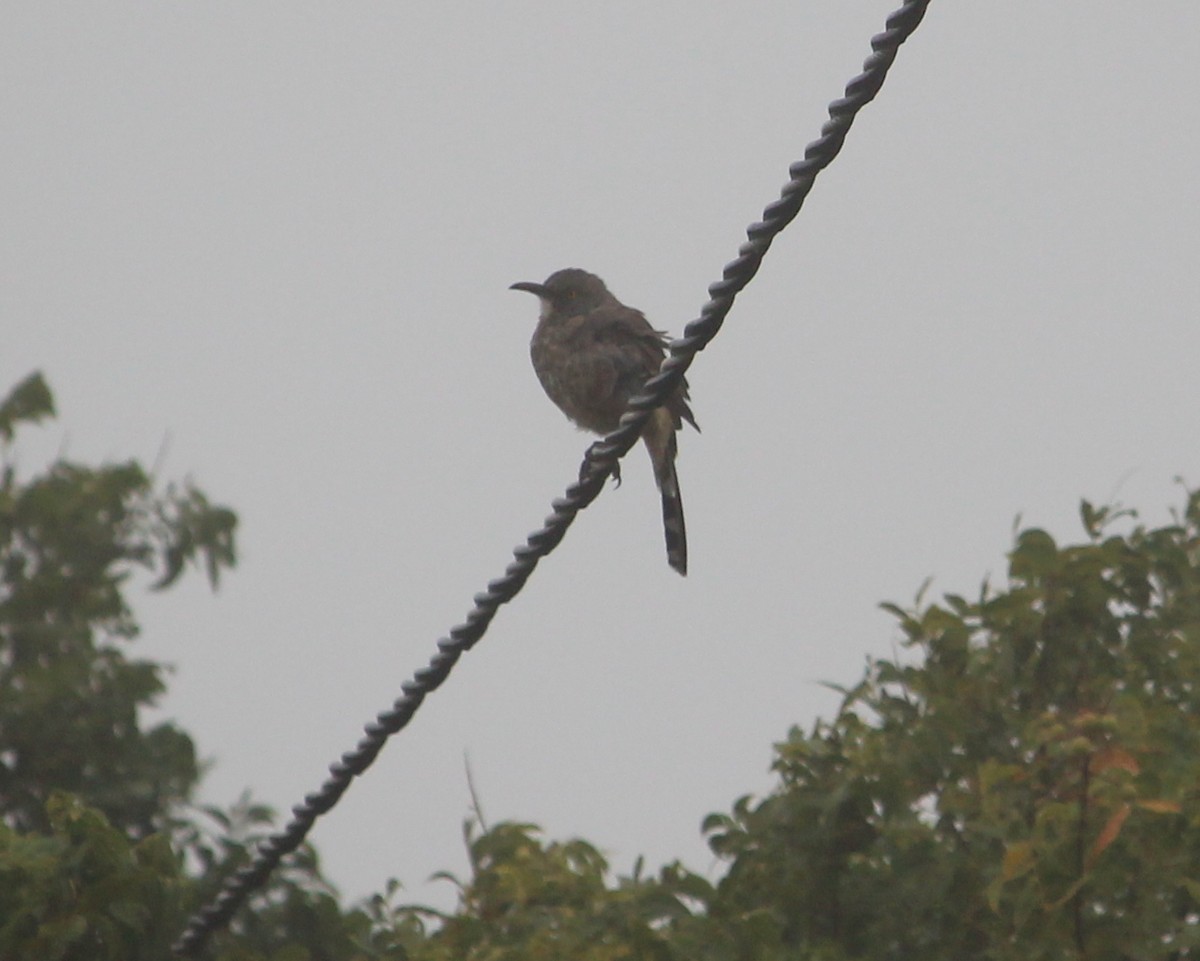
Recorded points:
1027,789
101,859
532,901
82,891
1021,783
69,696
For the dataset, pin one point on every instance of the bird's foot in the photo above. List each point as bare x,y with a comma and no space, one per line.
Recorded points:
587,462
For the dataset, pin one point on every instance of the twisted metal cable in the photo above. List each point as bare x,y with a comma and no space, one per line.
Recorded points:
599,462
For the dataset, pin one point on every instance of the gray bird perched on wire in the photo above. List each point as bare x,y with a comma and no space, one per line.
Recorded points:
592,355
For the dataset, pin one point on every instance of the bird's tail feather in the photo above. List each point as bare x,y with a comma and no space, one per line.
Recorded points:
659,436
673,526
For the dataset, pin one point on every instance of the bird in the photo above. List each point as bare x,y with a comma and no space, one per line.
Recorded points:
593,354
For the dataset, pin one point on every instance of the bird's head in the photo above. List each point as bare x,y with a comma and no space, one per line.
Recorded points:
569,291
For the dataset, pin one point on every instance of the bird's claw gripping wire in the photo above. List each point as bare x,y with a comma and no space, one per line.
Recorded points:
589,455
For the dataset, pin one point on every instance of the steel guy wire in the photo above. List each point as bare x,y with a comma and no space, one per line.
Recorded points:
599,462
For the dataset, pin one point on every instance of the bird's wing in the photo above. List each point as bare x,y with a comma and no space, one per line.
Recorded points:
625,335
636,350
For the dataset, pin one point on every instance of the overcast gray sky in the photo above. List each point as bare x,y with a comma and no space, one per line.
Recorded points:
278,237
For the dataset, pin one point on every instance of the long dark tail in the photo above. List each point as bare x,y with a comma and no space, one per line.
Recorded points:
673,526
659,436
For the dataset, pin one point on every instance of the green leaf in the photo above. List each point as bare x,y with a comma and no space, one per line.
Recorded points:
1035,556
29,402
